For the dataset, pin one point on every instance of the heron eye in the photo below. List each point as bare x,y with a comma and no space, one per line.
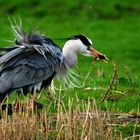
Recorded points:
88,47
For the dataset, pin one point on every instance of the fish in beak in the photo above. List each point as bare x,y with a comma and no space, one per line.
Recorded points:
97,55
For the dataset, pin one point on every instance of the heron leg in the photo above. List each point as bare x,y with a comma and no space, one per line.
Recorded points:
3,97
35,105
34,98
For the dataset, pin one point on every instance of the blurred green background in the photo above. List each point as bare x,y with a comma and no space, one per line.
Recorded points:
113,26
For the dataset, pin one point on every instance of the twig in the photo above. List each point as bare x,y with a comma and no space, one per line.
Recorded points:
129,77
131,137
100,88
114,77
86,78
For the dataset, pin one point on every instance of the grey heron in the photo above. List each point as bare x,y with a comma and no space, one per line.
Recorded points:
35,60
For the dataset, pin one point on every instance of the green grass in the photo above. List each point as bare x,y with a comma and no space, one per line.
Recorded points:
113,27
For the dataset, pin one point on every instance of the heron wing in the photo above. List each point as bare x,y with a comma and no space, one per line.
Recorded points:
34,59
27,71
28,65
10,54
7,49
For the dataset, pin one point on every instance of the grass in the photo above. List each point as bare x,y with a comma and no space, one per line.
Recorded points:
114,29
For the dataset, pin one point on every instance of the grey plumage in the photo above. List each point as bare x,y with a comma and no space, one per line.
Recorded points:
34,59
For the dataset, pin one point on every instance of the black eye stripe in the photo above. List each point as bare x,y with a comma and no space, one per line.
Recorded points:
84,40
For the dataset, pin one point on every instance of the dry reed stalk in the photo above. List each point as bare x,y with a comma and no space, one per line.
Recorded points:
84,127
80,122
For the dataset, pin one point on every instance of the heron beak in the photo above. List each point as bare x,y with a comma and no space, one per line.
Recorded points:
106,60
98,55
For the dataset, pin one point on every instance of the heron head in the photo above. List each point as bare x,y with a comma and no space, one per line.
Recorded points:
86,49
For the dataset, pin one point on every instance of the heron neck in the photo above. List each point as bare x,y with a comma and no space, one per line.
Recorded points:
71,59
70,52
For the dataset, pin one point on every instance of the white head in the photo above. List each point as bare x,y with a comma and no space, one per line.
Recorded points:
77,44
80,44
